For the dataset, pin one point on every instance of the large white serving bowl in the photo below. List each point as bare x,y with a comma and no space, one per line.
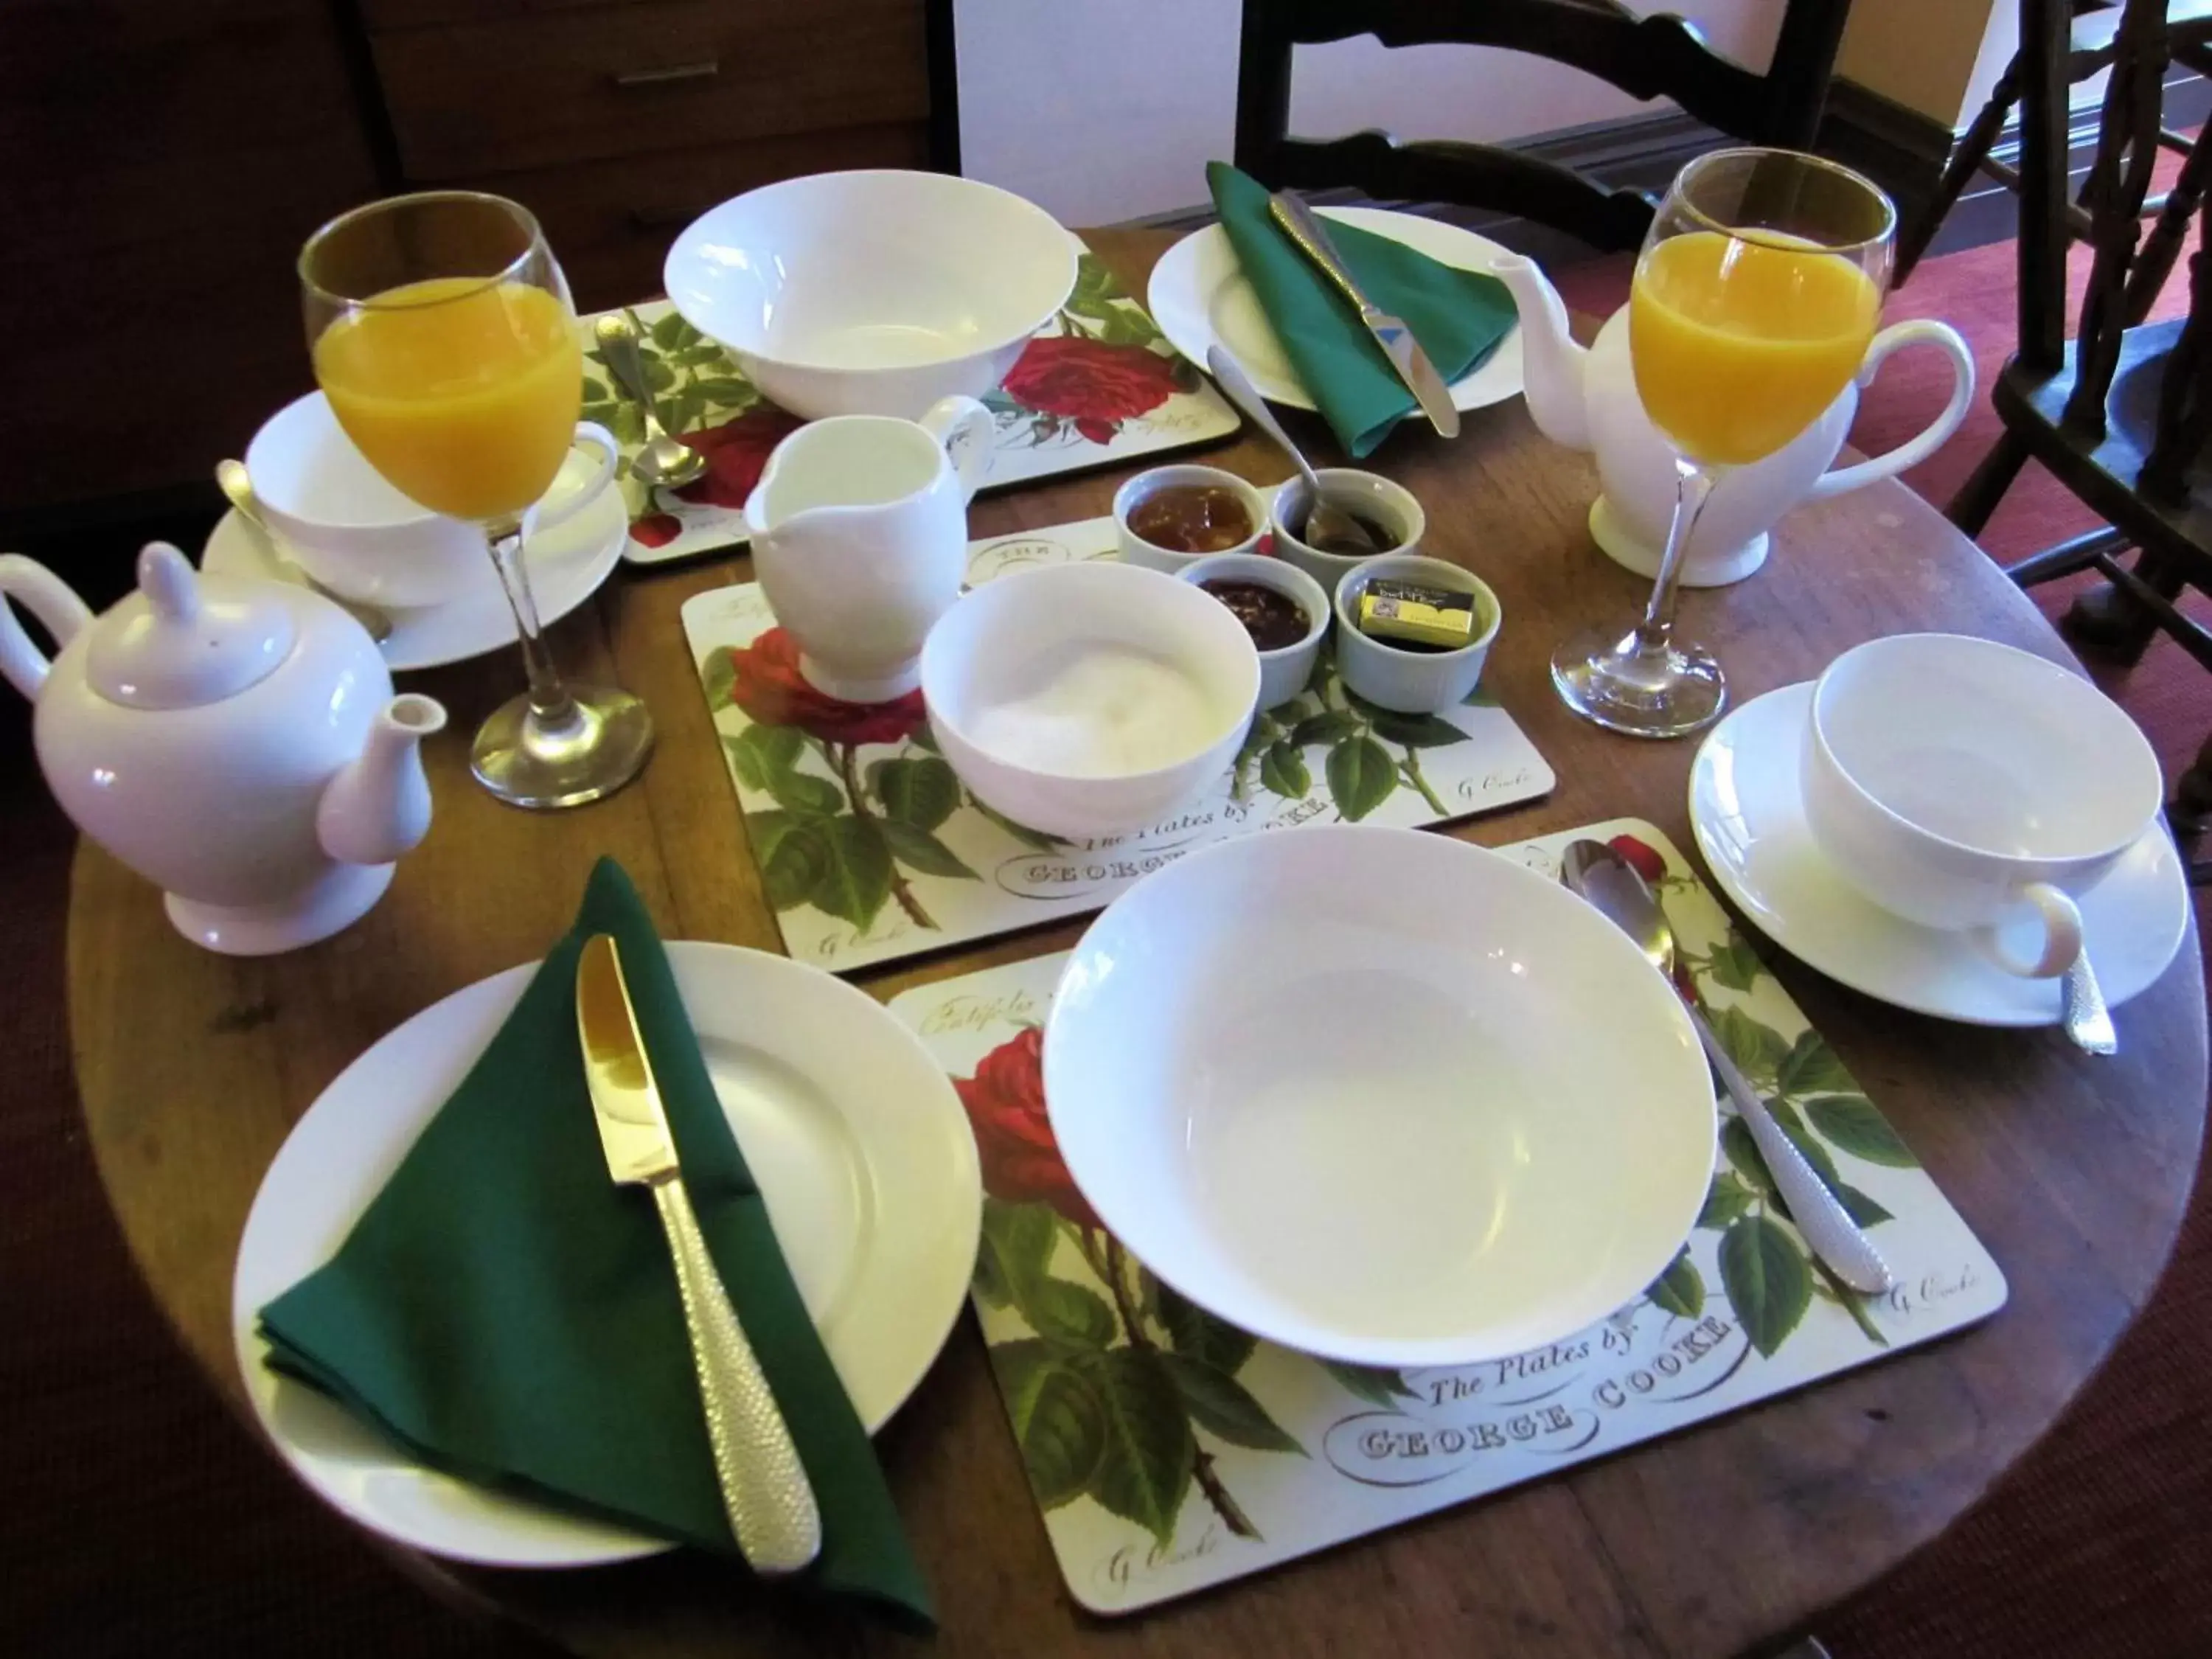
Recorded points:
871,293
1011,643
1379,1095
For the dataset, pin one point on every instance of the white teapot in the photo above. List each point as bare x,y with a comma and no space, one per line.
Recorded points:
1586,399
233,740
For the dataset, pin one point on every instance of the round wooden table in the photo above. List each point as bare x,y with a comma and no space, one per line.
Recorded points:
2074,1171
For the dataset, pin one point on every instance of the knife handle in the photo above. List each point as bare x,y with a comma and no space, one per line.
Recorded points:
1302,226
764,1487
1828,1228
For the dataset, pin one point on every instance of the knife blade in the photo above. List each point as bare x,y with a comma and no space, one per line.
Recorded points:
1304,228
765,1490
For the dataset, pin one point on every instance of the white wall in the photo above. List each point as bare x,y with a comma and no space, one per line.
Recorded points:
1104,110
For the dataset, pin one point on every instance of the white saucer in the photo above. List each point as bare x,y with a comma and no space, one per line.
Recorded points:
1200,297
1745,809
567,564
859,1144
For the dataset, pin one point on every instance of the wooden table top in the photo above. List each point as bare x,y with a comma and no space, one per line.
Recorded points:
2074,1171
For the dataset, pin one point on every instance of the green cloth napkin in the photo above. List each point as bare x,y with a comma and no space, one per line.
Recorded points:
509,1315
1458,316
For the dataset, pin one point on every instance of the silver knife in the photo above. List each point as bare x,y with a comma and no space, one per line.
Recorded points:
1302,227
764,1487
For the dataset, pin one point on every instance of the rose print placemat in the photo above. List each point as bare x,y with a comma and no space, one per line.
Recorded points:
1168,1450
1099,385
870,850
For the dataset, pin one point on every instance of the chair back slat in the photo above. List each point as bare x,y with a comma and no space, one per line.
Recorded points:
1647,58
2119,183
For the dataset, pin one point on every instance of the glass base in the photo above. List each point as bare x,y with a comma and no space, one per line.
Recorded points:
599,745
1619,683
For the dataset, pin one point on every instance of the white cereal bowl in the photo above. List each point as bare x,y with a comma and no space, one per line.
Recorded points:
1285,670
871,293
1379,1095
1087,700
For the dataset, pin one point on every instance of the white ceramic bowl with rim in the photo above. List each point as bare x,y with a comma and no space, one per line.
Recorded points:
1371,496
1088,700
1285,670
1379,1095
871,293
1413,682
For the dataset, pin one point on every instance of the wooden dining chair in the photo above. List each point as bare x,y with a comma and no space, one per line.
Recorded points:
2120,414
2091,46
1653,56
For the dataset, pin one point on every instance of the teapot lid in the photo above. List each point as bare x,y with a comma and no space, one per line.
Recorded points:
182,640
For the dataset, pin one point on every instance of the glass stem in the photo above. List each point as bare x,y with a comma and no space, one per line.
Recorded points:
549,697
1692,484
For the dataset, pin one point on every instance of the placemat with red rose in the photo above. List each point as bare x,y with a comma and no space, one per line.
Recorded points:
1097,386
870,849
1170,1451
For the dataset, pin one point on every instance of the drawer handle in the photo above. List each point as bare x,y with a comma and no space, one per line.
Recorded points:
705,70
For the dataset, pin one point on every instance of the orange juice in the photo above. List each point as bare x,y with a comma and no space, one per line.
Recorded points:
1738,346
463,394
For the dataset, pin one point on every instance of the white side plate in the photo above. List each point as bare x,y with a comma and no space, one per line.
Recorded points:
1200,298
856,1138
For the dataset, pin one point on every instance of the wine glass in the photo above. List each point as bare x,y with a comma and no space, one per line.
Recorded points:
1754,298
444,337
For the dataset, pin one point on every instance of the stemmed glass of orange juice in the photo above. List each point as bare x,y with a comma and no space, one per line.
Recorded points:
1755,296
444,338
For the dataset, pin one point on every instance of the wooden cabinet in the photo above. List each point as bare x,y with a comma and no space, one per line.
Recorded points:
162,161
160,166
617,124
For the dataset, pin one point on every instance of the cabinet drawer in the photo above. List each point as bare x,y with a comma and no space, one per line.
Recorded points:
573,86
610,223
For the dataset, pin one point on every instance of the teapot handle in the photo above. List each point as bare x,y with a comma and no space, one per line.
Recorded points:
49,598
1920,330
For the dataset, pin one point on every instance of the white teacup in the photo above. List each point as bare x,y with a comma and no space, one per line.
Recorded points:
358,536
1955,780
860,538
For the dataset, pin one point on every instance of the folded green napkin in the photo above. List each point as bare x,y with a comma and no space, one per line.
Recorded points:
1458,316
507,1313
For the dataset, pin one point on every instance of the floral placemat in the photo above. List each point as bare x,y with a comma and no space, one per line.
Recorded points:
1099,385
1170,1451
870,849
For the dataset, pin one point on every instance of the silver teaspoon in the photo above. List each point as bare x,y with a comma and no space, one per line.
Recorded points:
2087,1021
1330,528
1614,888
663,461
237,487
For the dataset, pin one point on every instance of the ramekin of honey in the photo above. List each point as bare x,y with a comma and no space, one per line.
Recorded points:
1171,515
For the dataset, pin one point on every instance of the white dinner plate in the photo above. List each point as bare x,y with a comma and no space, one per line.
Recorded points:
861,1146
1200,298
568,564
1379,1095
1750,824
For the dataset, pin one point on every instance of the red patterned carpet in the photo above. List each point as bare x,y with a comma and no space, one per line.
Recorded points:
140,1519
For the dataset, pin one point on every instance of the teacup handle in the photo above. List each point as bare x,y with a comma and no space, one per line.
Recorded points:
966,430
592,435
2062,935
1920,331
49,598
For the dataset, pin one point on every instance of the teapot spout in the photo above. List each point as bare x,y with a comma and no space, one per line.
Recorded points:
1552,363
377,807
